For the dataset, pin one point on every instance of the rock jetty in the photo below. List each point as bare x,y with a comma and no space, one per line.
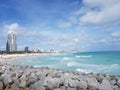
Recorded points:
16,77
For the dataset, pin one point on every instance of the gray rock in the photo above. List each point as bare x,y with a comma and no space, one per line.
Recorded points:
31,80
51,83
83,85
74,83
99,78
39,85
118,82
69,88
23,82
105,85
16,83
63,88
113,82
6,79
40,88
32,87
116,87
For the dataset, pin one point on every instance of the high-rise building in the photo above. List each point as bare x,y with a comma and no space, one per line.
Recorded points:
26,49
11,42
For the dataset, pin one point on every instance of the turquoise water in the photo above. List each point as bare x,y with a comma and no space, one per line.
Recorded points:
95,62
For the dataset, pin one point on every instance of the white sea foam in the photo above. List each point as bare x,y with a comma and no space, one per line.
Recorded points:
66,58
37,66
72,64
82,70
94,66
87,56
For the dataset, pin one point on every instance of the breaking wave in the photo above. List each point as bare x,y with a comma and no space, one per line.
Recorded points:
87,56
66,58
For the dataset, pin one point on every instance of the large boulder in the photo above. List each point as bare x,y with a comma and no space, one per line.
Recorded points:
31,80
116,87
6,79
118,82
105,85
52,83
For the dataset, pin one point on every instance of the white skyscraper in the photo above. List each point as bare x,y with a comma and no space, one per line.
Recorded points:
11,42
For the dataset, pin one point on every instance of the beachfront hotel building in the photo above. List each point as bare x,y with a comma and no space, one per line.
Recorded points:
11,42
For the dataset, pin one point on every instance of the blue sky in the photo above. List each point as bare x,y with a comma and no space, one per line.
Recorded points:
86,25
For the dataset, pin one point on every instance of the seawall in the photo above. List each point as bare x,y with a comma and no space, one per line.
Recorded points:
15,77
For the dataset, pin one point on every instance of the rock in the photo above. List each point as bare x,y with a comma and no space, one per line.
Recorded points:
6,79
23,82
63,88
40,88
83,85
113,82
118,82
57,89
74,83
1,85
16,84
69,88
26,88
14,79
8,87
105,85
116,87
32,87
39,85
51,83
99,78
13,74
31,80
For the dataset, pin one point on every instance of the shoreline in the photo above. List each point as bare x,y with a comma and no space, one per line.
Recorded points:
5,57
16,77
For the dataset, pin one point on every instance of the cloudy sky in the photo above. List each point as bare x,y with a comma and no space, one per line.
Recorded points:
86,25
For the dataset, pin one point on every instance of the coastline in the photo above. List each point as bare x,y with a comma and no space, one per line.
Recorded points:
16,77
6,57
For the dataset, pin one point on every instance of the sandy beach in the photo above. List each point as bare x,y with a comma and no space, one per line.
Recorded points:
14,56
6,57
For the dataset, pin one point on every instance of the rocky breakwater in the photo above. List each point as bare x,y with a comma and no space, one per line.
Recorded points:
15,77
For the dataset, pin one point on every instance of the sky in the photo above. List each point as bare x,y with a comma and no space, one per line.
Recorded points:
85,25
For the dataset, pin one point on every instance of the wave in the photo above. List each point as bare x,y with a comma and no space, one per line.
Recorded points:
92,66
72,64
37,66
83,70
66,58
87,56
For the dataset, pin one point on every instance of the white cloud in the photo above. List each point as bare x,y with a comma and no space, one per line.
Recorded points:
11,27
106,15
97,12
115,34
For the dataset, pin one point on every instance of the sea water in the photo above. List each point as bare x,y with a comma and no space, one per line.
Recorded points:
95,62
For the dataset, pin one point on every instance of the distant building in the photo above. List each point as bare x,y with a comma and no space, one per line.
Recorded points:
11,42
26,49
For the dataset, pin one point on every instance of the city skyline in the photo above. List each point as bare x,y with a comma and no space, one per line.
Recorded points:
86,25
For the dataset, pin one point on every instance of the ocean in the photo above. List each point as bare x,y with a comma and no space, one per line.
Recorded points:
89,62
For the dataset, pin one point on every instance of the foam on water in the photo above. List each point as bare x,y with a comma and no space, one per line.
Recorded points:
82,70
87,56
72,64
66,58
92,65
